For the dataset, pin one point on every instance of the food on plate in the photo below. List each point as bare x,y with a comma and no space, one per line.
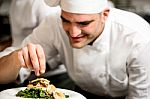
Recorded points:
41,88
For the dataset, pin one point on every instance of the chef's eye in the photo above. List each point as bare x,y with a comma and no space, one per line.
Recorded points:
85,23
64,20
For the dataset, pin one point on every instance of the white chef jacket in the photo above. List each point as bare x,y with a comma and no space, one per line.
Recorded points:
25,15
117,64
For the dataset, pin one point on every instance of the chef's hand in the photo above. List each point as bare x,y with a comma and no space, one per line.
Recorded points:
32,56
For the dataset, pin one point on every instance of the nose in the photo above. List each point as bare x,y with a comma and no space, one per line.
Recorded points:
74,31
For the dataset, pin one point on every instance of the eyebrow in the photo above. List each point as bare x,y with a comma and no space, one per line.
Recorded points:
76,22
64,19
85,22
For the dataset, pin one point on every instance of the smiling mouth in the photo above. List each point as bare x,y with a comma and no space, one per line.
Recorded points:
77,39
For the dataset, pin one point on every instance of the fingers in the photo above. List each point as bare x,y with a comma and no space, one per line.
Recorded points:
26,58
41,57
32,56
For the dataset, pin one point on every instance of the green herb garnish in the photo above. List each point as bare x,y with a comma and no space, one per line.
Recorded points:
34,93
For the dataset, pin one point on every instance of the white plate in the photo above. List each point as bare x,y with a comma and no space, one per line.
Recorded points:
11,94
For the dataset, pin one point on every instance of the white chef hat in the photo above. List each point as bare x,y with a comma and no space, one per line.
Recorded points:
79,6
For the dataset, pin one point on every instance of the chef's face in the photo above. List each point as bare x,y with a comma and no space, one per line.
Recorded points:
83,29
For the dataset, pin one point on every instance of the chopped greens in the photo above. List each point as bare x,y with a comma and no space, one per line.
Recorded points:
34,93
66,96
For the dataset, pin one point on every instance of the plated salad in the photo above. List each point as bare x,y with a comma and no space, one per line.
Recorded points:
41,88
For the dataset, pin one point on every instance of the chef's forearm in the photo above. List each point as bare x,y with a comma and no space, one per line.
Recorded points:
9,68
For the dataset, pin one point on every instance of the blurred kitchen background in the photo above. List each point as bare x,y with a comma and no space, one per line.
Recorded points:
141,7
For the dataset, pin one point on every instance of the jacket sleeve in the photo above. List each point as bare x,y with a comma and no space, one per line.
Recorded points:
139,73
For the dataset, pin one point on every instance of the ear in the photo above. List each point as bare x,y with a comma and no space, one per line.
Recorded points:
105,14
